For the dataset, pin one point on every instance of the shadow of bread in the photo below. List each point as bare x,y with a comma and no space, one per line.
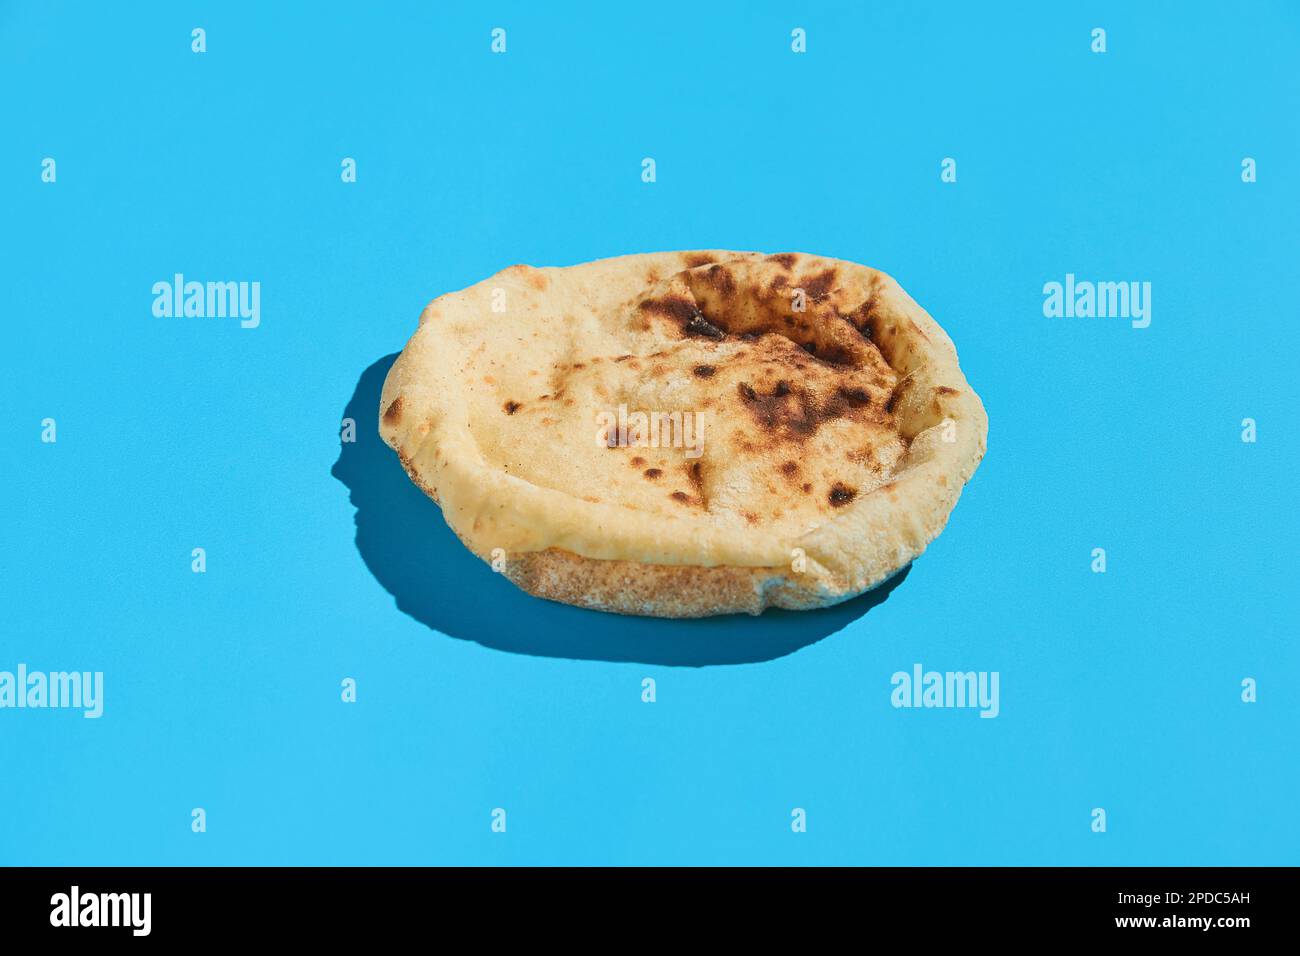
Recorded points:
415,556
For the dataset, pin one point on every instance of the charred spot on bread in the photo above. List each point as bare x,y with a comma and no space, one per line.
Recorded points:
841,494
820,285
720,279
695,475
699,325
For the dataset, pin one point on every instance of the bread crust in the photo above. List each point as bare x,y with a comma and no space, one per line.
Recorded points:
782,514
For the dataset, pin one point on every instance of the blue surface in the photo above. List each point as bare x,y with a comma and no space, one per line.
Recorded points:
1119,690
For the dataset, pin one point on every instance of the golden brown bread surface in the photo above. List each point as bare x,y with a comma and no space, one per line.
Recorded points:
687,433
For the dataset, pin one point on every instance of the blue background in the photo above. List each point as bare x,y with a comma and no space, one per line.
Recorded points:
1119,690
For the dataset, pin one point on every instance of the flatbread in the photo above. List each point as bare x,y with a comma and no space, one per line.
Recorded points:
837,429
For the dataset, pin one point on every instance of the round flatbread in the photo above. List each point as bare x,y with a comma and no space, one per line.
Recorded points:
687,433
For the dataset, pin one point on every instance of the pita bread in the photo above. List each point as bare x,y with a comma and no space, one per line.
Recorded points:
837,429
